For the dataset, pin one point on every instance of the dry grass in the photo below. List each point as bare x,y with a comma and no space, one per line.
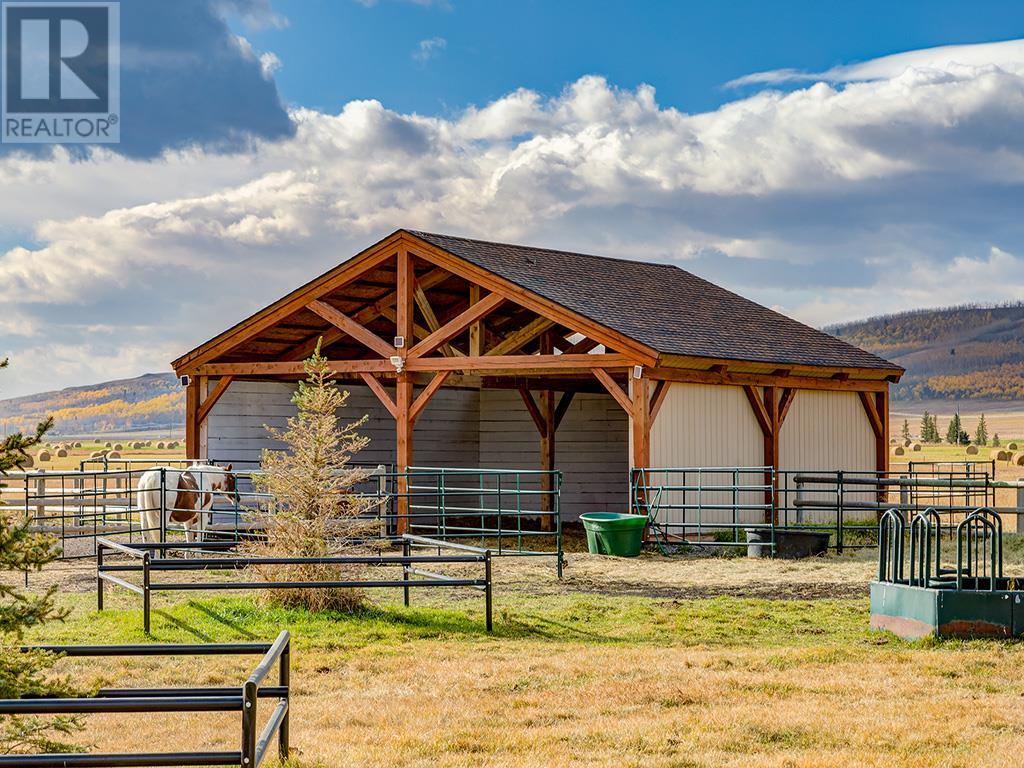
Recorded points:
601,669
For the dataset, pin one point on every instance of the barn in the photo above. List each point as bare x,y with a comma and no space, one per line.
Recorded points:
467,353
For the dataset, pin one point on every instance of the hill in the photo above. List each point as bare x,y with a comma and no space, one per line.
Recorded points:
967,352
152,401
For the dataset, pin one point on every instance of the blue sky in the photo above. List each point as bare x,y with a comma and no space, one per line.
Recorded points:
335,51
830,160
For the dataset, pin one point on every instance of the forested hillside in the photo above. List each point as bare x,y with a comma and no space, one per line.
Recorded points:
154,400
967,352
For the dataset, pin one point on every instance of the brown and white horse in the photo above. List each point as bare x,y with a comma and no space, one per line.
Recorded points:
187,497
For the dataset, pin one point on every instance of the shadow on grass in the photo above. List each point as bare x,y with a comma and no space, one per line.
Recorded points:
220,618
188,628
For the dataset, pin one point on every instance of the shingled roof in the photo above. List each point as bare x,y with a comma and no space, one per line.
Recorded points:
660,305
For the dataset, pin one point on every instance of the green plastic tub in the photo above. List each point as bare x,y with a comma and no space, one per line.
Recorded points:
612,533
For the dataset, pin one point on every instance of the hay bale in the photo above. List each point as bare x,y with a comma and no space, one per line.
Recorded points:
1017,458
96,455
972,450
149,443
915,446
161,445
892,441
998,454
113,455
107,445
1012,447
78,444
898,450
27,463
43,455
62,453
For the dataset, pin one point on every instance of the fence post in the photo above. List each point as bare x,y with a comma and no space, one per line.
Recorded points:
284,680
406,551
99,578
145,591
487,590
40,504
249,724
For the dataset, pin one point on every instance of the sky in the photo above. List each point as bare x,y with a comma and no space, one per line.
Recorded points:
831,160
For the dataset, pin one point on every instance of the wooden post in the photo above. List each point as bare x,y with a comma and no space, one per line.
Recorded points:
640,421
882,441
476,330
771,453
547,445
192,418
404,318
202,433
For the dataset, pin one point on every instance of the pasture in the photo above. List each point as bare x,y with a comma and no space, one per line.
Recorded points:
688,661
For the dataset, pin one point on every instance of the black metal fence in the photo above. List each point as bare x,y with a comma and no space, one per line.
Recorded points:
243,699
147,560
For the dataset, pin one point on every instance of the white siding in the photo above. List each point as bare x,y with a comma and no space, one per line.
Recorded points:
704,425
591,448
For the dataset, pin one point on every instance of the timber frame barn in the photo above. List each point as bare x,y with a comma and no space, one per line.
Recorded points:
505,356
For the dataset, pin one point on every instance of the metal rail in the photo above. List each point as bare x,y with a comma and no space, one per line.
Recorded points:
143,563
241,699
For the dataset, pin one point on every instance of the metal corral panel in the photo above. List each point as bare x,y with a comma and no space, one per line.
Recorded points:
707,425
827,431
914,612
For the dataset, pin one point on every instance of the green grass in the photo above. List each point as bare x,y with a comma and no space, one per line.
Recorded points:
720,621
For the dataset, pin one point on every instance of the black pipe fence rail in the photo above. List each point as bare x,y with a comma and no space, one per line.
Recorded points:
418,570
254,742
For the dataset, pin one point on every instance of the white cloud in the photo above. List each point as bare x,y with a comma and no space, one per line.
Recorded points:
829,203
428,49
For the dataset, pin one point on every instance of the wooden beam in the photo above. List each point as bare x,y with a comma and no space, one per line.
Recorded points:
563,406
403,447
640,423
534,410
476,330
295,368
658,398
404,290
522,365
428,392
882,441
785,402
456,325
764,420
692,376
358,332
613,389
211,399
191,419
420,297
382,394
872,413
516,341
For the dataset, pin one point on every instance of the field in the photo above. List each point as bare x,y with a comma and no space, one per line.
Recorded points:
88,447
692,661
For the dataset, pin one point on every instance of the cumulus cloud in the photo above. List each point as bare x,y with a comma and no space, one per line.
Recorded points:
829,203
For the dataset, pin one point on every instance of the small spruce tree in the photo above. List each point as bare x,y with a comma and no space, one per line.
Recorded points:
926,422
981,432
27,674
953,430
313,512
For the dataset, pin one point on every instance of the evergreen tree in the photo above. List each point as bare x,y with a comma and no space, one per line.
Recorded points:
933,430
27,674
953,430
927,426
905,432
981,433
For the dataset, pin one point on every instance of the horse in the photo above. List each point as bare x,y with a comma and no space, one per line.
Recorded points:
187,497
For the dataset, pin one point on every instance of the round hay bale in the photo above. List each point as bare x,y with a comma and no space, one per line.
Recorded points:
96,455
1012,446
113,455
915,446
907,443
107,445
892,441
1017,458
161,445
43,455
149,443
118,447
998,454
898,450
972,450
27,463
62,453
173,444
78,444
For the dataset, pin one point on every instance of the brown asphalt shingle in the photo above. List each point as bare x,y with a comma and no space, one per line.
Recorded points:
660,305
